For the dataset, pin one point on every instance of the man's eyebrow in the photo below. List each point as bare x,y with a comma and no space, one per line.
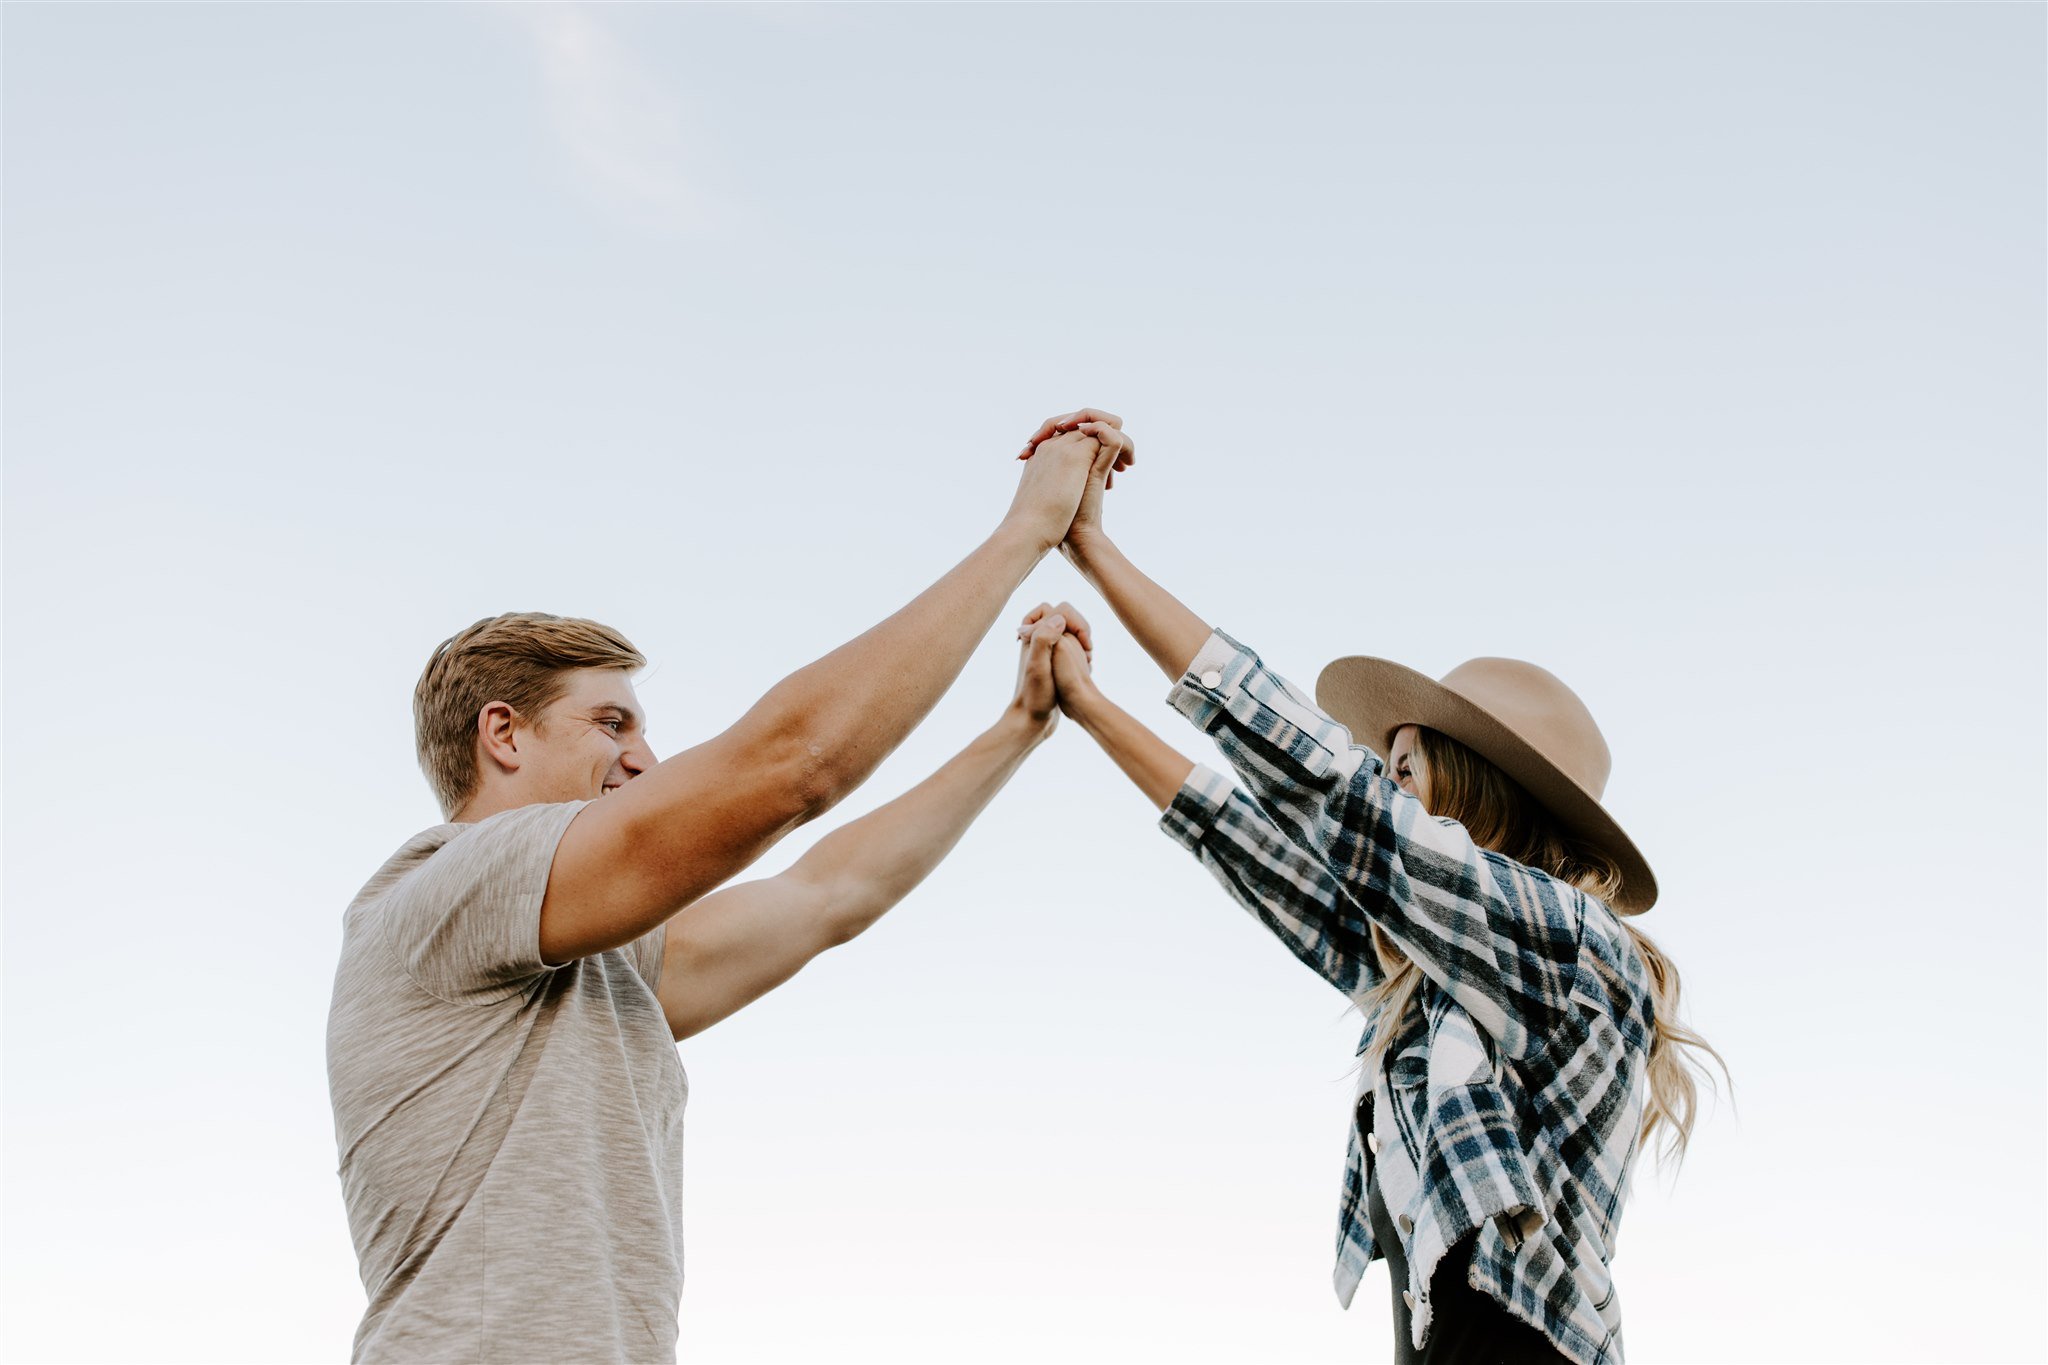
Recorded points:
631,716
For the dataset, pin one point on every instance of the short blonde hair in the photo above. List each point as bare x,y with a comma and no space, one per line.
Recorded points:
520,659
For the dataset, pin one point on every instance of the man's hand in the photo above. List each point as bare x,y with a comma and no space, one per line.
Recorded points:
1072,421
1052,486
1106,428
1150,762
1035,707
1073,654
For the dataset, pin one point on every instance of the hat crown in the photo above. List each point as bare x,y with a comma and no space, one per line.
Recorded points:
1518,717
1544,713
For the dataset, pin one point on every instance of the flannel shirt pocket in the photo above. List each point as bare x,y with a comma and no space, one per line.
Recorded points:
1468,1119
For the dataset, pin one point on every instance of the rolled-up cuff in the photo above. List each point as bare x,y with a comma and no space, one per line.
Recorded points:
1196,806
1219,666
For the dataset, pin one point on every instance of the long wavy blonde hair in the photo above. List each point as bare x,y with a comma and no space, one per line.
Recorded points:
1456,782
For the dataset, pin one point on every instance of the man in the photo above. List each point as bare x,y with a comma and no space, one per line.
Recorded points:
507,1097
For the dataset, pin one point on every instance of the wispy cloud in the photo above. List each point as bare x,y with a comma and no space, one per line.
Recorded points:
622,130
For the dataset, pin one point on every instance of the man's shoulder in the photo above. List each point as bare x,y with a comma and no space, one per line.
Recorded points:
459,904
475,844
409,856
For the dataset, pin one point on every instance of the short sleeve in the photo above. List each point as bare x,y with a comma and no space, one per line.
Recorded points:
645,953
466,922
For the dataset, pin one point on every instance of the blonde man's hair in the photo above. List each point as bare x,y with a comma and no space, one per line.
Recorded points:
1503,818
521,659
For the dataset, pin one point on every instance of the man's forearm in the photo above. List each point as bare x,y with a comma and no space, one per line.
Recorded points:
851,708
869,865
1161,624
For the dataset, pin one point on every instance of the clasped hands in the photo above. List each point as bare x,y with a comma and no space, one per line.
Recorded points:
1054,671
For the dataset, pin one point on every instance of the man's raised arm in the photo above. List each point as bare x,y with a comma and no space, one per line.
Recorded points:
740,942
633,858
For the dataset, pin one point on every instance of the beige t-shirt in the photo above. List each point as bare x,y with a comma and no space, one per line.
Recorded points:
511,1134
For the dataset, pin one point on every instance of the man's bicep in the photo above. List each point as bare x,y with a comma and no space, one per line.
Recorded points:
633,858
734,946
465,921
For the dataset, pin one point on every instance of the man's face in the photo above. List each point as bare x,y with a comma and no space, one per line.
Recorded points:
591,740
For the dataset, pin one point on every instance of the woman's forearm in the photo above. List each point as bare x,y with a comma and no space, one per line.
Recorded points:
1156,767
1160,623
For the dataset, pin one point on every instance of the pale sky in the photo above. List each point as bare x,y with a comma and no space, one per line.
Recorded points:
1693,352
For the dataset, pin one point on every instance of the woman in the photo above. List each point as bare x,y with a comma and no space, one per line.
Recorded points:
1521,1037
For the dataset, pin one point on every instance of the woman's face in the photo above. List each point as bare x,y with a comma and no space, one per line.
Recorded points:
1406,766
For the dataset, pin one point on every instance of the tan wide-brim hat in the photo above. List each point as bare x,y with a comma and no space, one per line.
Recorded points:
1518,717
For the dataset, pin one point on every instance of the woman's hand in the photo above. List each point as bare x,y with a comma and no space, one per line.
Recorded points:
1035,707
1106,428
1073,655
1149,761
1074,679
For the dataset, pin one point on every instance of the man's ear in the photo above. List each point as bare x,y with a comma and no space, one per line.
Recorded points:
497,734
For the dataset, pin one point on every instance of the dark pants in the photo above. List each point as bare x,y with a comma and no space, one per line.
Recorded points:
1466,1327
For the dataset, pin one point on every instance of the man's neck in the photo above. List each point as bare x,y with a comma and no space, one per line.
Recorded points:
486,803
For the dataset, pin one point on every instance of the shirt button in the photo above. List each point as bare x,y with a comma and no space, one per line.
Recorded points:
1372,1143
1407,1224
1408,1299
1212,680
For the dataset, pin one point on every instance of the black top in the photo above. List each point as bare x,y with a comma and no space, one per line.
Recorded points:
1466,1326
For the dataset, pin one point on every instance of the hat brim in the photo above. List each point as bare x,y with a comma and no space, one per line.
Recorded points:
1375,697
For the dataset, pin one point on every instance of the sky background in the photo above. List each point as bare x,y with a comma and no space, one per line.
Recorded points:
1695,353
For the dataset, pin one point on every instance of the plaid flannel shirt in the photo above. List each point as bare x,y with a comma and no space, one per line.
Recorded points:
1509,1103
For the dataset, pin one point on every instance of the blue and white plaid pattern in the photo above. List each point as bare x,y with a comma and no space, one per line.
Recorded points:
1509,1102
